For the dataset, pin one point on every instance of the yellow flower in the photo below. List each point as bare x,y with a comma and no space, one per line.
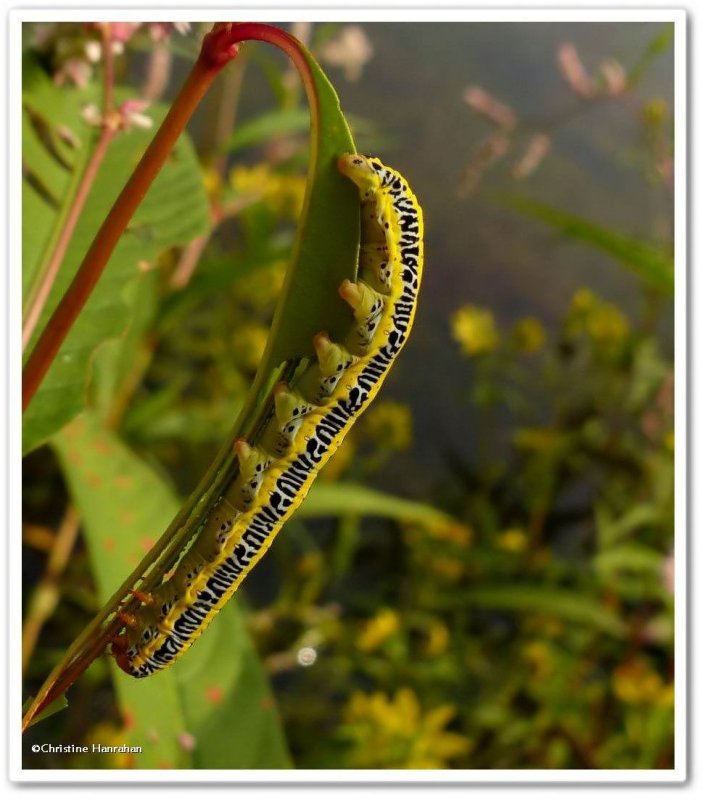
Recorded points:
450,531
538,654
529,335
654,111
475,330
213,182
340,460
248,346
603,322
635,682
438,638
666,696
254,181
607,324
108,733
583,300
378,630
513,540
446,567
388,424
390,733
283,193
261,287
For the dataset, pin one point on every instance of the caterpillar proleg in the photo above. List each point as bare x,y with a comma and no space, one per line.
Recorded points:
308,423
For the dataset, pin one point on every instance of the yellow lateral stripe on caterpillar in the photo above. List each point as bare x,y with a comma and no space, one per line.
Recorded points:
308,423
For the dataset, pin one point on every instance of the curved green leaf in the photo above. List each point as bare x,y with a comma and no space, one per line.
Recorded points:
325,252
652,264
176,715
533,599
335,499
264,127
174,211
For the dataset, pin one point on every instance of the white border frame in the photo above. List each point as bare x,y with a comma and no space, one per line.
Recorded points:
409,11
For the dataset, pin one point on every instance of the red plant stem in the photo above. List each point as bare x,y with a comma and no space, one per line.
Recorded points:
219,47
115,223
46,281
40,298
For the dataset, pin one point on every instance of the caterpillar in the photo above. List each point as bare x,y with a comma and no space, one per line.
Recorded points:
307,423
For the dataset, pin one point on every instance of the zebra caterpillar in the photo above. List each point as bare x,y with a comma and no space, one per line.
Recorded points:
308,424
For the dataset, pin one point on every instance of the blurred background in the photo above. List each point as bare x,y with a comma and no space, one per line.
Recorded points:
484,579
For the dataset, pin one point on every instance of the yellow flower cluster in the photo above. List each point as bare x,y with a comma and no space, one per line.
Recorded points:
248,346
529,335
389,425
438,638
447,567
260,288
539,656
378,630
635,682
284,194
394,733
513,540
475,330
654,112
603,322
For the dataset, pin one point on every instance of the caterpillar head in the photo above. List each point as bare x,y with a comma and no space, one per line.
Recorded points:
361,171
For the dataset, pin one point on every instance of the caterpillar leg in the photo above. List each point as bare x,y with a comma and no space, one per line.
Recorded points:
253,463
290,408
321,379
367,306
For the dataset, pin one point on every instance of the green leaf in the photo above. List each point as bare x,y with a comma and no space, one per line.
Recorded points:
326,248
212,709
631,557
57,705
264,127
534,599
174,211
652,264
336,499
658,45
611,531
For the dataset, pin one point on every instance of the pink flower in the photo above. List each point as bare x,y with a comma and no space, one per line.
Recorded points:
489,106
574,71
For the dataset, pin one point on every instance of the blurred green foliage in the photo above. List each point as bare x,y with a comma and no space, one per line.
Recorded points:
518,615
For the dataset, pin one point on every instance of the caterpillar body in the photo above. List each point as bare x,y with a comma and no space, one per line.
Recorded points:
308,423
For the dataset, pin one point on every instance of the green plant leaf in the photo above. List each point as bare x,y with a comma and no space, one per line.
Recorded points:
177,716
651,263
336,499
658,45
264,127
326,248
174,211
534,599
57,705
